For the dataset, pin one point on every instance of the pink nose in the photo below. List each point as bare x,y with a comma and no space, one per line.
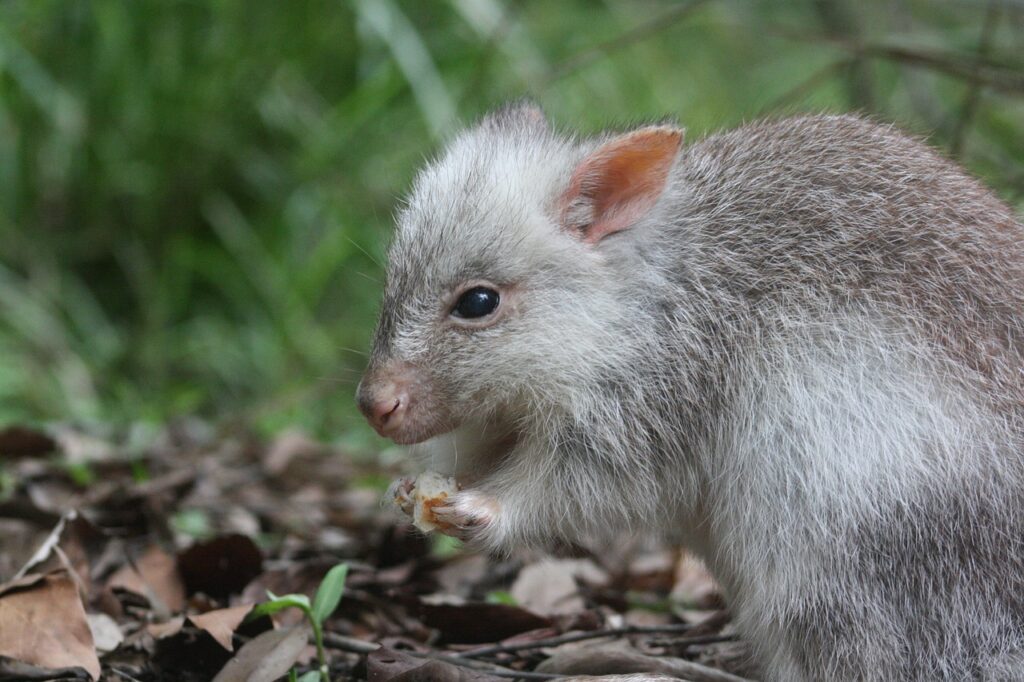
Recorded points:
384,408
387,413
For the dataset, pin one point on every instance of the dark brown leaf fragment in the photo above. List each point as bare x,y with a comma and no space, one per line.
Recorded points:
21,441
477,623
220,567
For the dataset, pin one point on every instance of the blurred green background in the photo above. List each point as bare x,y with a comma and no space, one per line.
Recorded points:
195,196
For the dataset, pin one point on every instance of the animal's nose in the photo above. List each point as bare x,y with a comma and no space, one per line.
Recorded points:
384,406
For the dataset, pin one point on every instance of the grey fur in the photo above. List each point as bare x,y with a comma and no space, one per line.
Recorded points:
805,363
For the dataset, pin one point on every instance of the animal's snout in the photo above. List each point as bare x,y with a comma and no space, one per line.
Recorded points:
401,402
386,396
384,404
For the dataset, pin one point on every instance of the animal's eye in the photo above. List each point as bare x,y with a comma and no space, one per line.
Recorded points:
477,302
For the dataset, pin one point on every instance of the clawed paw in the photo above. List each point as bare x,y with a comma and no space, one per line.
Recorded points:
400,492
466,514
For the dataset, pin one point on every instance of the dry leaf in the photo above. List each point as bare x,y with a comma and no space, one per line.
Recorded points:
459,575
79,446
166,629
266,657
694,584
73,535
106,633
21,441
288,446
475,623
154,576
43,622
16,671
222,623
549,587
220,567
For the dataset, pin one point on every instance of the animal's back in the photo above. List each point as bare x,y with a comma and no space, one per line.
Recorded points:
846,244
840,210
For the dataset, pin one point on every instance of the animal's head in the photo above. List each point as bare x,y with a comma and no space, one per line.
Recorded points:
505,276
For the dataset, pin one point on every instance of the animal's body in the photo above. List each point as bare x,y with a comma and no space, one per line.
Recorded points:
796,347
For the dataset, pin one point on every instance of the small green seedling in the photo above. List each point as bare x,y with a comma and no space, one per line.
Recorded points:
503,597
328,595
194,523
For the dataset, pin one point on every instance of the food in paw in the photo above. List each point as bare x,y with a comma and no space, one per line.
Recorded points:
421,496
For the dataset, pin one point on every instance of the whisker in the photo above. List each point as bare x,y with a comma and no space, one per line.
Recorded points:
349,381
369,277
367,253
455,445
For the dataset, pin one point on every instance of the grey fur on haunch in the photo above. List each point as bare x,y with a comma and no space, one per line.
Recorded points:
804,362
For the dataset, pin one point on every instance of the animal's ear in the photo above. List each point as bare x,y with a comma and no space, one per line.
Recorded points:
522,113
619,182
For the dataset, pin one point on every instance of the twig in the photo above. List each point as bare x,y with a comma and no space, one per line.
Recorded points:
358,646
495,670
466,659
636,34
841,23
578,637
925,103
973,97
349,644
51,541
481,666
973,68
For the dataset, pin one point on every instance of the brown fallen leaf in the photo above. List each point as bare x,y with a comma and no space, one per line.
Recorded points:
16,671
220,567
651,570
550,587
222,623
266,657
106,633
166,629
21,582
475,623
155,576
21,441
459,574
291,447
694,584
73,542
43,623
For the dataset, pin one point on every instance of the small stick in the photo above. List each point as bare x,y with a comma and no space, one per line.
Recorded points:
349,644
580,636
358,646
46,548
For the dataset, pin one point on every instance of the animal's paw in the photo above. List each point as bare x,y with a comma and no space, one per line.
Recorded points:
467,514
400,493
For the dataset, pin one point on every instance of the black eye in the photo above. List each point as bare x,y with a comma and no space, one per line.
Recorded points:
477,302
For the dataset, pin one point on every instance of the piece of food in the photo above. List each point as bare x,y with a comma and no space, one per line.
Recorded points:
421,496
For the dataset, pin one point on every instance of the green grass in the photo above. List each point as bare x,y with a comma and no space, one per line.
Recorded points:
195,197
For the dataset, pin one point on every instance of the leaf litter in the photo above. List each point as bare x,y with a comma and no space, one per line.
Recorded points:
143,562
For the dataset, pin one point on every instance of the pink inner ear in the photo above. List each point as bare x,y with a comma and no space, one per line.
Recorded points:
618,183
